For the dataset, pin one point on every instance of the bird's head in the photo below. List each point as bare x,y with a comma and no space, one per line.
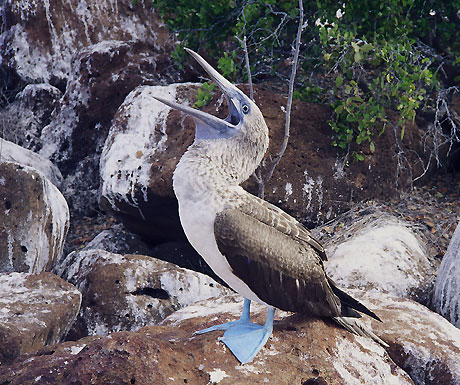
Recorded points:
244,118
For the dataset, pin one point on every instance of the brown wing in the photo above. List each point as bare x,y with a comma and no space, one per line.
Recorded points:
282,271
273,216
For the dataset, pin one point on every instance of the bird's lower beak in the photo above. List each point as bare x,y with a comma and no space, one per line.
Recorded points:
203,119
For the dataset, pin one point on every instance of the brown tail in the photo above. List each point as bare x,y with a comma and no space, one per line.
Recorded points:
355,326
351,304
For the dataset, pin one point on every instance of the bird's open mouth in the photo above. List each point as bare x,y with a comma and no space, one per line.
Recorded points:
206,122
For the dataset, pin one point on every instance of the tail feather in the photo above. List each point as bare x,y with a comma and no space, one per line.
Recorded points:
355,326
351,303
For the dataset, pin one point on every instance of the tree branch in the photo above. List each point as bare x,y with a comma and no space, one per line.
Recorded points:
287,125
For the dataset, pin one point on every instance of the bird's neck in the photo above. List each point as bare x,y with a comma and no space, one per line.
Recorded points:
209,165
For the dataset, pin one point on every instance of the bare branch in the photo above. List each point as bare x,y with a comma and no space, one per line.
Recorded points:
287,125
248,68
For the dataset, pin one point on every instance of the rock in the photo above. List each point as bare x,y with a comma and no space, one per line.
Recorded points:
126,292
378,252
39,39
139,157
34,220
11,152
100,78
421,342
311,182
118,240
25,117
446,297
302,350
35,310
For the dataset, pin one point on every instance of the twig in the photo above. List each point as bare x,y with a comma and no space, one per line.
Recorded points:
287,125
248,68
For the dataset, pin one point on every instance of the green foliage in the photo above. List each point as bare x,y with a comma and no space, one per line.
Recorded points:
204,94
376,55
375,75
227,65
310,93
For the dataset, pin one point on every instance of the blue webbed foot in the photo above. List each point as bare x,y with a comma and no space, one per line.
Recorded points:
242,337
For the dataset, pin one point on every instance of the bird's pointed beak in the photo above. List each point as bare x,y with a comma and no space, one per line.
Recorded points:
209,126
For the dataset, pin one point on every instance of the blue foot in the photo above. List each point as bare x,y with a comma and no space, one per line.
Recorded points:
243,337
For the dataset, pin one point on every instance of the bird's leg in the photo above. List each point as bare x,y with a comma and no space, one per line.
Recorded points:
245,318
243,337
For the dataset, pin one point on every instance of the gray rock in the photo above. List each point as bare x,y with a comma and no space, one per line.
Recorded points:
100,77
23,120
446,297
126,292
36,310
34,220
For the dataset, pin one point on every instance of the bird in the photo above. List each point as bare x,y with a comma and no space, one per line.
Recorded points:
261,252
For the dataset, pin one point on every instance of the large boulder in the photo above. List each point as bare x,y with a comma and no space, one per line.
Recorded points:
446,297
302,350
34,220
100,77
312,181
36,310
145,142
127,292
378,251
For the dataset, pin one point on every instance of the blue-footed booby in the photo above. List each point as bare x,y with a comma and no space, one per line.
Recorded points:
260,251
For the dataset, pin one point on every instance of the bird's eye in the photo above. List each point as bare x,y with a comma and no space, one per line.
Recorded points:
245,108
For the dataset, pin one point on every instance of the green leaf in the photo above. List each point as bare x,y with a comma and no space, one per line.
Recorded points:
339,81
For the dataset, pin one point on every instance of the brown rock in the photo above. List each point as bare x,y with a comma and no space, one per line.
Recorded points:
34,219
422,342
302,350
39,39
312,182
35,310
127,292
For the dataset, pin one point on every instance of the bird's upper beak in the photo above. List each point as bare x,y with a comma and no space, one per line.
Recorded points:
209,126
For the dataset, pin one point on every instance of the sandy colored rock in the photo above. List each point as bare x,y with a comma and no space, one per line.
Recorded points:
35,310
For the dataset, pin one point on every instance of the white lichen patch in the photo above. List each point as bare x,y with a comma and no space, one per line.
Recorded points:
216,376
